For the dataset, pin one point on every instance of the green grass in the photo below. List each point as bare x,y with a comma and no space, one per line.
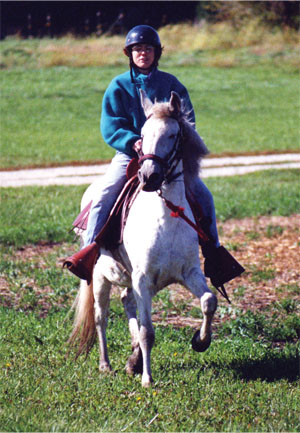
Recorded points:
271,192
241,384
37,282
239,110
51,115
35,214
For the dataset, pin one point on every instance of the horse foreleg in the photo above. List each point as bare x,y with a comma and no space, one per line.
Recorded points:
202,338
146,331
101,289
196,283
146,342
134,364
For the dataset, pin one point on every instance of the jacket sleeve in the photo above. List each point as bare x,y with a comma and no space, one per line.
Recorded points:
116,124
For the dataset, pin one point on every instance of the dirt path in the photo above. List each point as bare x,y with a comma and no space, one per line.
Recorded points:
86,174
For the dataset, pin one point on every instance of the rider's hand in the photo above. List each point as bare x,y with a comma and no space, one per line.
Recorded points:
137,145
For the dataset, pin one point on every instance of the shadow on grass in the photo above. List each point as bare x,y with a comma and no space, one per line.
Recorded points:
271,367
270,370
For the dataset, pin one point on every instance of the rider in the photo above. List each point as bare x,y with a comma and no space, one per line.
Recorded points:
122,118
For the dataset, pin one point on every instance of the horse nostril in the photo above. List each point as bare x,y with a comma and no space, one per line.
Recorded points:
152,183
140,176
154,178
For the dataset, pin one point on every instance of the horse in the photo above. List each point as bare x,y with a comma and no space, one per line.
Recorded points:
157,249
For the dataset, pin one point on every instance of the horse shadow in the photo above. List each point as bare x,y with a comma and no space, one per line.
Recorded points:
269,369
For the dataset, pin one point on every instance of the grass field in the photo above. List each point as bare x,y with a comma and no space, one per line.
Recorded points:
36,214
247,381
51,111
52,115
242,384
246,98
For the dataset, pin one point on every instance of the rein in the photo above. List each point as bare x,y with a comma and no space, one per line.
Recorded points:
178,211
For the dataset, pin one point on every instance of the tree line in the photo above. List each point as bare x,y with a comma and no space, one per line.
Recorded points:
55,18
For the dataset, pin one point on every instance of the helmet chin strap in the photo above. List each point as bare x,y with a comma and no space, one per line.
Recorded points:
144,69
133,65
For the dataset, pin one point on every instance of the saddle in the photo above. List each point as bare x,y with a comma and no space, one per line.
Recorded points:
111,235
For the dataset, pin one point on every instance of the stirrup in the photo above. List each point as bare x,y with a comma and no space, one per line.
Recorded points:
220,266
223,292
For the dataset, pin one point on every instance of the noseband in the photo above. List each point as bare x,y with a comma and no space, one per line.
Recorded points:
175,155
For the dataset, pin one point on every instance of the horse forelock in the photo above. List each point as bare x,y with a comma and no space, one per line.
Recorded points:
162,110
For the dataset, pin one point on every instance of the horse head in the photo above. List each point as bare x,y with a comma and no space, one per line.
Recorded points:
161,142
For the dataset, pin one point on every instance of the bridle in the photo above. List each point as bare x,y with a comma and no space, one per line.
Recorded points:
170,162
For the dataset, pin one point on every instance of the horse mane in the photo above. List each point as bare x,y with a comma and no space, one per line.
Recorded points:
194,148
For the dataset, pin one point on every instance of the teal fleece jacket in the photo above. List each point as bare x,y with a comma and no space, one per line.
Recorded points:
122,115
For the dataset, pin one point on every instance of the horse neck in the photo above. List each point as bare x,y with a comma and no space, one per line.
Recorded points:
175,190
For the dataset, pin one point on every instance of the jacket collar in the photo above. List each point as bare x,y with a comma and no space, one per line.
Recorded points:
141,78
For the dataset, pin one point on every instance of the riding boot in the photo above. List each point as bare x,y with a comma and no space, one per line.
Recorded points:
219,265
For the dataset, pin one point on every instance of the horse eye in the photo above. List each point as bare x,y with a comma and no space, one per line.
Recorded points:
172,136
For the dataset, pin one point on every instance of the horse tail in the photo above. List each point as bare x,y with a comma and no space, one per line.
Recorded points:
83,335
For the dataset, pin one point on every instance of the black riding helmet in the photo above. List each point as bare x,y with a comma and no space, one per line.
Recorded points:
143,34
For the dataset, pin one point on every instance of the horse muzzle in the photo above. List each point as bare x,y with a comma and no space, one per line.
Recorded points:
150,179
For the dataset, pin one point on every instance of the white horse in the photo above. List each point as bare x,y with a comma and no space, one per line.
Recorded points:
157,249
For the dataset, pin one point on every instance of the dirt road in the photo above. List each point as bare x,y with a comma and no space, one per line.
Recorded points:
86,174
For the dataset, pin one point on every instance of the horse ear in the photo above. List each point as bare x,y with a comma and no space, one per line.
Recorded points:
175,103
146,103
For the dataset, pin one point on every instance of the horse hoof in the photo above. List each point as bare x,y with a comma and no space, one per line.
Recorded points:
147,383
105,368
135,363
198,345
134,368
